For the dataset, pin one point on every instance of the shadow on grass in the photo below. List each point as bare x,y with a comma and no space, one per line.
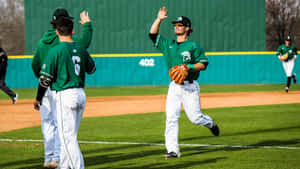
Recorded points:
109,149
277,142
106,156
202,150
136,158
116,157
120,153
181,164
242,133
92,162
37,166
35,163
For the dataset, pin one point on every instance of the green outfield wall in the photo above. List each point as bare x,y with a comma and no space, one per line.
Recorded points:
125,56
144,69
122,26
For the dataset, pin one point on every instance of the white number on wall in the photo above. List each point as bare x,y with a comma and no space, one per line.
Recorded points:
147,62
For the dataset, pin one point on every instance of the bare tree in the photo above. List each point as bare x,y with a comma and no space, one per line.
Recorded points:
282,16
12,26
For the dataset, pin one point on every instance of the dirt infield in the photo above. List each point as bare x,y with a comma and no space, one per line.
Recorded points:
23,115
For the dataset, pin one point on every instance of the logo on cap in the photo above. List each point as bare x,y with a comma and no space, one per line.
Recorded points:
183,20
179,18
61,12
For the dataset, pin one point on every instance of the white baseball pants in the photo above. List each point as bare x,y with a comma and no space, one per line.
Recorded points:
187,95
49,127
70,107
288,67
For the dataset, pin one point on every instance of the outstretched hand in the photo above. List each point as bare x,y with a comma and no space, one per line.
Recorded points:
162,13
84,16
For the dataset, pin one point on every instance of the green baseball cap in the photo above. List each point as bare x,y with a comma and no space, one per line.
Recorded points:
185,21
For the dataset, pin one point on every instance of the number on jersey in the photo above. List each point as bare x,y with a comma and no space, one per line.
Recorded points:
76,61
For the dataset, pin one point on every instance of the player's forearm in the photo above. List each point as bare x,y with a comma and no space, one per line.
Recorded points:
40,93
197,67
43,85
155,26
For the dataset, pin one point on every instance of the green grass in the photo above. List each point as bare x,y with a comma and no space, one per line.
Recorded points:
156,90
273,125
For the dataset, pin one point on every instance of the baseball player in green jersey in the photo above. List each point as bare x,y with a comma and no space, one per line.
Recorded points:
64,71
288,64
47,109
177,52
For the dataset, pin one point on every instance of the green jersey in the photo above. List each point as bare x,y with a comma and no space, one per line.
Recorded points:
50,39
187,52
66,65
291,50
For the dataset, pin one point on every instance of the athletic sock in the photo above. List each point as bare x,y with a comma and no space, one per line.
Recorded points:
288,82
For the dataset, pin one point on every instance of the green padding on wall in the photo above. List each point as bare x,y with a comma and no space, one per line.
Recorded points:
134,71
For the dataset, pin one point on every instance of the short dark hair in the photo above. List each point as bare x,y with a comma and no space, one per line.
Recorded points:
64,26
190,31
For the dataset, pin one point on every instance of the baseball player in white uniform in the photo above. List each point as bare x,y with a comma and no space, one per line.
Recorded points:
48,109
289,62
64,71
178,52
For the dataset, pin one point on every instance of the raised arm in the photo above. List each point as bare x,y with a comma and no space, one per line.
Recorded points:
162,14
85,39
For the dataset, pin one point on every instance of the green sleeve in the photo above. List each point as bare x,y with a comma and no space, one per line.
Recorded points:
90,64
37,59
279,51
161,43
49,65
200,56
85,39
36,63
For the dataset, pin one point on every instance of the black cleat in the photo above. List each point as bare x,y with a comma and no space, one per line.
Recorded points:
15,99
294,77
286,89
215,129
171,155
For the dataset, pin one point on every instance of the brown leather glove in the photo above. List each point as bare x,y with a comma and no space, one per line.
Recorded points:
284,57
179,73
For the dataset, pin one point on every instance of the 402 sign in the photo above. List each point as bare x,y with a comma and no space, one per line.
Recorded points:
147,62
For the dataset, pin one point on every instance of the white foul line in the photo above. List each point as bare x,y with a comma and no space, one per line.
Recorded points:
160,144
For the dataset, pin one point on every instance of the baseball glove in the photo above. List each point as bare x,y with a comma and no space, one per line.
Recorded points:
179,73
284,57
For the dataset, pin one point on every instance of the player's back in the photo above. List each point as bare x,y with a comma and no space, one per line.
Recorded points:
69,62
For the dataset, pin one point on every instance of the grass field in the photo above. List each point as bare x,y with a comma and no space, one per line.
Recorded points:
275,126
254,137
